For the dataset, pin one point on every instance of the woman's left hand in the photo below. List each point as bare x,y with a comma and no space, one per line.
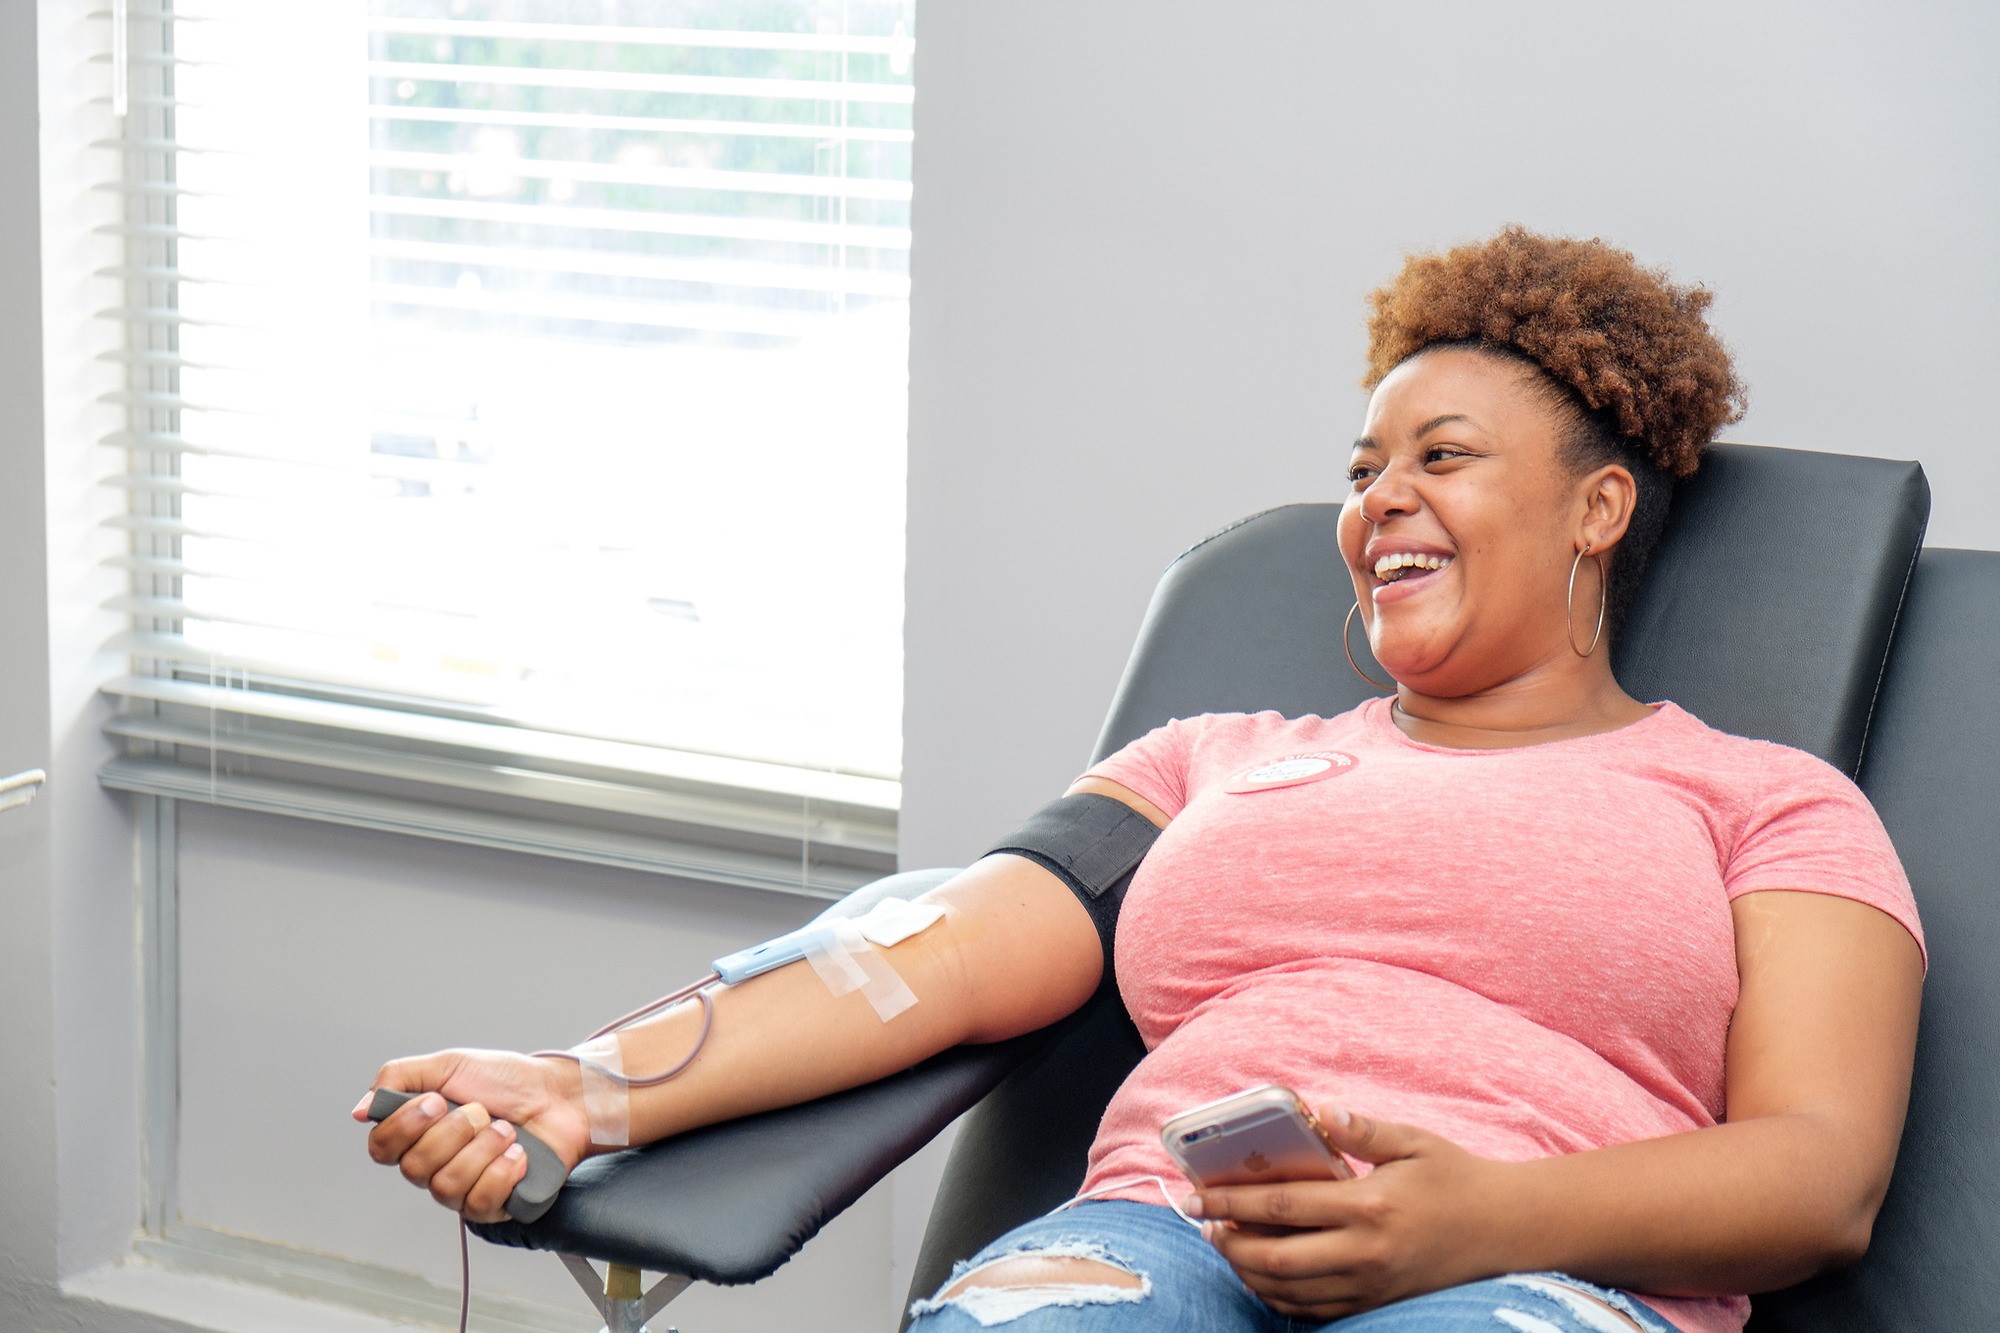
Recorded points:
1426,1217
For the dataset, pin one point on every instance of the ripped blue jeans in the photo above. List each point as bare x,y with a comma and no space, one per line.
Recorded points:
1183,1283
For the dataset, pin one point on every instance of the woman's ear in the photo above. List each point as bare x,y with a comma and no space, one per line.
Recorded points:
1609,496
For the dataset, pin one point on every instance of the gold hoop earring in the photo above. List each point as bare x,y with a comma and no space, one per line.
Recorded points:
1569,602
1347,646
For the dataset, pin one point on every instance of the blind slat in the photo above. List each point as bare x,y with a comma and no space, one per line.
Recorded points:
579,309
304,616
649,314
712,272
166,317
851,235
665,224
173,402
166,442
132,356
627,36
542,76
555,120
167,567
679,178
585,120
584,32
708,85
176,657
377,463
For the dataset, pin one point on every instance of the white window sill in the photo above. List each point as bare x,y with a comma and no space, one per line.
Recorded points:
699,817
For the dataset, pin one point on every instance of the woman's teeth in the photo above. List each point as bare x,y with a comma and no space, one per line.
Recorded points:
1392,567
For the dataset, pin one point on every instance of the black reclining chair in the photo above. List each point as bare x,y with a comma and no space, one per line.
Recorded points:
1769,611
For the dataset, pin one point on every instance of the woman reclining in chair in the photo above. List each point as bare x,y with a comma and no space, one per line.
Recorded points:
1614,1012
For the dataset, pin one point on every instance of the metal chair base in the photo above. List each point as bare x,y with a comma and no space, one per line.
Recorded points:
619,1294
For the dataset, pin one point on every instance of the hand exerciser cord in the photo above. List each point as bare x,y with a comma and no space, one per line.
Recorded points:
696,990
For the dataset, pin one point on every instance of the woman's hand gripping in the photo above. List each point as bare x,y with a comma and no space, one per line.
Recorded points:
468,1158
1423,1219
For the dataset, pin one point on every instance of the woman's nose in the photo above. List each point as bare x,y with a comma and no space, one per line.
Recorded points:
1389,495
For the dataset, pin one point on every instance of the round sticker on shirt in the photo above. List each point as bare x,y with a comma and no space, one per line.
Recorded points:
1291,771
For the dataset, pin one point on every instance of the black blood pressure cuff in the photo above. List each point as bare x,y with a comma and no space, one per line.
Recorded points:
1091,843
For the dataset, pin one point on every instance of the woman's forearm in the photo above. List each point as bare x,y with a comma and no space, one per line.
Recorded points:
1748,1206
1014,952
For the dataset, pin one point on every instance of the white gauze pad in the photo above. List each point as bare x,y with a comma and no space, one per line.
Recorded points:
893,920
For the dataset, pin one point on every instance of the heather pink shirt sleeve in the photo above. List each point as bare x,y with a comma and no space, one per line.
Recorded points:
1155,765
1812,829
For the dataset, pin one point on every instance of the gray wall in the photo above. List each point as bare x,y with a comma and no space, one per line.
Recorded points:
312,953
27,1098
1145,230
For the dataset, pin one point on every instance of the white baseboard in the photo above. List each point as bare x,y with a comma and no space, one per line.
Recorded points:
217,1283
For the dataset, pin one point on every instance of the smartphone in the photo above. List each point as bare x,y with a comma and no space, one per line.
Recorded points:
1249,1138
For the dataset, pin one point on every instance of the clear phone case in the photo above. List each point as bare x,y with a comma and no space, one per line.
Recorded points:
1252,1137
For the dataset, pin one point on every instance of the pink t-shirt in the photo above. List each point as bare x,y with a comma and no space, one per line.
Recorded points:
1528,951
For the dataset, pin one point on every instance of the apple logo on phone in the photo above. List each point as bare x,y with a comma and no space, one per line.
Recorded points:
1257,1162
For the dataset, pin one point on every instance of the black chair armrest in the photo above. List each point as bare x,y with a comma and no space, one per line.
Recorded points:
732,1202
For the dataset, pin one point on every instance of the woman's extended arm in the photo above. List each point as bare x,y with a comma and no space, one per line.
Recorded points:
1014,952
1818,1077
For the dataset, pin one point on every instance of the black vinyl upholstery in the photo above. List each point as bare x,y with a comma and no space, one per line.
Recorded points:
1768,611
1933,771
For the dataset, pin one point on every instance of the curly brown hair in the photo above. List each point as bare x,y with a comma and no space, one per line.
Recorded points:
1631,345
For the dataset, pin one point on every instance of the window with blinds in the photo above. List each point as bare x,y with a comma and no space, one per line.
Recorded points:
516,409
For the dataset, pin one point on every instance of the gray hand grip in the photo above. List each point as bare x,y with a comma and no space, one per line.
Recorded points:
546,1173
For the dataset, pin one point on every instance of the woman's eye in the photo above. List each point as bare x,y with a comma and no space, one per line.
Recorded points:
1360,472
1442,453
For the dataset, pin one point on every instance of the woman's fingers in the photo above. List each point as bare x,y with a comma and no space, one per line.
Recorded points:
453,1181
388,1141
1292,1203
1316,1274
1317,1292
447,1136
1318,1310
1306,1255
1320,1296
486,1201
1369,1140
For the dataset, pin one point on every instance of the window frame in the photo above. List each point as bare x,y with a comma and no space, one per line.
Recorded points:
237,737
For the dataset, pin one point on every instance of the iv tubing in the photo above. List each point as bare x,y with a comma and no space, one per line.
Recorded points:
696,990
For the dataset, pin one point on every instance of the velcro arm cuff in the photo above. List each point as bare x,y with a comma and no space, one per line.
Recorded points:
1093,844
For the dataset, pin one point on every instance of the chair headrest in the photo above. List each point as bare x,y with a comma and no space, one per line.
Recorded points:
1767,610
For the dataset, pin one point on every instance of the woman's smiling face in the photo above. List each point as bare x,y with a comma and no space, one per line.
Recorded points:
1462,522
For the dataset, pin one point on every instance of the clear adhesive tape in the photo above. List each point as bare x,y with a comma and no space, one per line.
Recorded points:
607,1096
845,961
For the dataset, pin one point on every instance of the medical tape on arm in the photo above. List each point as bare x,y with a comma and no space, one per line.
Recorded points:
607,1094
842,957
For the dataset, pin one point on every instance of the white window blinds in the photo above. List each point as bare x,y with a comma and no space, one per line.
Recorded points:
516,414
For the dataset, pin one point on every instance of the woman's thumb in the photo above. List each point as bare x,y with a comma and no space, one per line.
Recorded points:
1369,1140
